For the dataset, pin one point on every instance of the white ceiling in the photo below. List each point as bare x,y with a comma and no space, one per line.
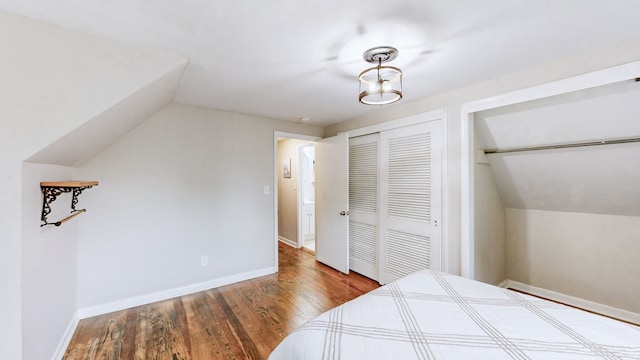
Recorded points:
289,59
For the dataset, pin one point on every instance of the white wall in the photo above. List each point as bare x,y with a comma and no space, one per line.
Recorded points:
49,263
588,256
187,182
453,100
489,230
53,80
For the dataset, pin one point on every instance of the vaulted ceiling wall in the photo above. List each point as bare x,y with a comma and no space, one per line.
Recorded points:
84,142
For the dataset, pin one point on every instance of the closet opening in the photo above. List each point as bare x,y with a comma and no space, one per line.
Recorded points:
600,84
548,190
380,202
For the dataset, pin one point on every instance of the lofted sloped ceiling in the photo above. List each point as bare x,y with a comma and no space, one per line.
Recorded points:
289,59
595,179
67,94
87,140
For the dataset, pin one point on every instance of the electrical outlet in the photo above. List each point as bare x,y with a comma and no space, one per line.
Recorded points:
204,260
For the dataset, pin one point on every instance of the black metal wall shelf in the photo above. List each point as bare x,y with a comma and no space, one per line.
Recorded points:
52,189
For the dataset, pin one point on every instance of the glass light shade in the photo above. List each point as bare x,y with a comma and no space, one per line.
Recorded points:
380,85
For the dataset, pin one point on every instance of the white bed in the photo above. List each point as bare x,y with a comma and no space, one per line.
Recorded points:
433,315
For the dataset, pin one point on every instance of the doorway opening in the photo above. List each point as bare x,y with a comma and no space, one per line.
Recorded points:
294,193
307,197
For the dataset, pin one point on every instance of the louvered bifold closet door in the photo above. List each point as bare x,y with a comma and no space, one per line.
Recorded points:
409,200
363,205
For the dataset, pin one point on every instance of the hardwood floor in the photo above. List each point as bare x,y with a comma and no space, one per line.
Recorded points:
246,320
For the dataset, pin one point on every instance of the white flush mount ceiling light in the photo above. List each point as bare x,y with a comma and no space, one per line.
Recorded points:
380,85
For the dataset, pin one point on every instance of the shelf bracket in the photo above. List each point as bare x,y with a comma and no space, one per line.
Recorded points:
51,191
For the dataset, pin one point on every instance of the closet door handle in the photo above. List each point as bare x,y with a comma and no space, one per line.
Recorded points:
344,213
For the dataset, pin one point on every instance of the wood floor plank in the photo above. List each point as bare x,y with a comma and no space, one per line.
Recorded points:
129,338
257,317
246,320
207,330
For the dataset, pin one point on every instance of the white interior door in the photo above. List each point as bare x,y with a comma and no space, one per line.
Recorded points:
363,205
332,200
410,200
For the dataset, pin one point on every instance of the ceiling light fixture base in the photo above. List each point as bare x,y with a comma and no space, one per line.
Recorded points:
380,54
380,85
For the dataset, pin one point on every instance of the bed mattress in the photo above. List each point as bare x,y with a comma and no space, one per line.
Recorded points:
434,315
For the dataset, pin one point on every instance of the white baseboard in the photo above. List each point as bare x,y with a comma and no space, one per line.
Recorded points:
118,305
288,241
66,338
577,302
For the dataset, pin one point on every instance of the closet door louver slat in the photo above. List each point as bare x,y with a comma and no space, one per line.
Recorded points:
362,243
409,177
406,253
409,200
363,205
363,177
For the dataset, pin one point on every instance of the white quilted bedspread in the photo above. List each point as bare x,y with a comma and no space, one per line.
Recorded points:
432,315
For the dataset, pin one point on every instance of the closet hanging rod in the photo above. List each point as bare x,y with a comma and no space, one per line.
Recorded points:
58,223
563,146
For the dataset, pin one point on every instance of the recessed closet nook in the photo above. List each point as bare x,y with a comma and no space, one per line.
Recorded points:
556,195
392,181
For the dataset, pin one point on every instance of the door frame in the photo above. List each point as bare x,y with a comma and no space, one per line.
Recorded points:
589,80
276,135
